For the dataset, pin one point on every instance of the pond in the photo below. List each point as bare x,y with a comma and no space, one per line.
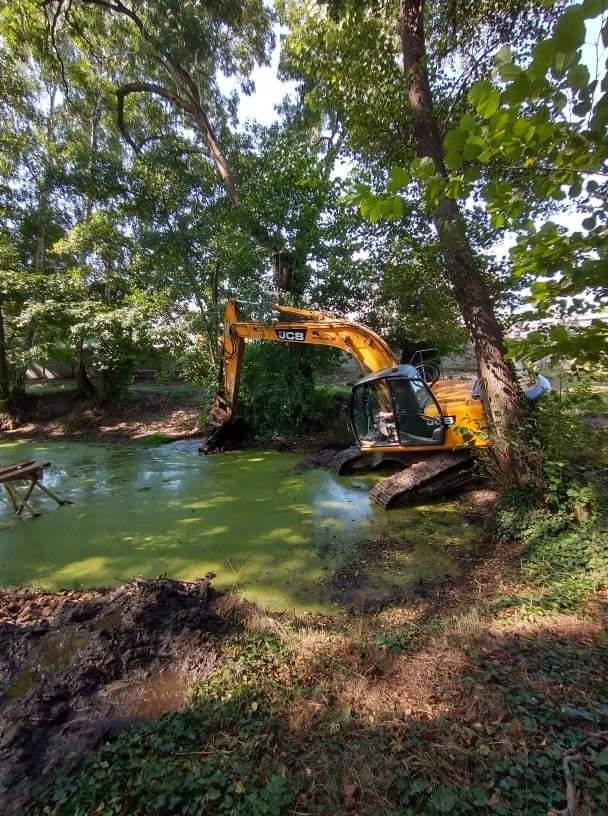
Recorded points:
280,536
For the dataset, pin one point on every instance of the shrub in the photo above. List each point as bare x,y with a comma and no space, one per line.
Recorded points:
278,387
559,515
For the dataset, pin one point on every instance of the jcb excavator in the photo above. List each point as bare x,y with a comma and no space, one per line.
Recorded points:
396,416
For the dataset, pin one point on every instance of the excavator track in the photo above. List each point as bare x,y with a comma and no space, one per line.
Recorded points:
341,461
435,475
353,459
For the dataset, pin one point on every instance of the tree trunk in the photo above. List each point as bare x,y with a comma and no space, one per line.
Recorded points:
43,213
4,374
45,191
500,391
84,386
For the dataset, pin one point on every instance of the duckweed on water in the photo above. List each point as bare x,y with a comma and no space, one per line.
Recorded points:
264,529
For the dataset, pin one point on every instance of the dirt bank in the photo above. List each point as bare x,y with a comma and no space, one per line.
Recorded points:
76,667
173,413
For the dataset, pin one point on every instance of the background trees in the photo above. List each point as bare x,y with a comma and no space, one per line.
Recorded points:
133,202
418,111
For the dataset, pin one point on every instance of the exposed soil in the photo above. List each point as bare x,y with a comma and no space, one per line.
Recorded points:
140,414
76,667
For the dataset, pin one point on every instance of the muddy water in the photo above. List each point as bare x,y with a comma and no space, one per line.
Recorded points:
51,655
149,697
271,532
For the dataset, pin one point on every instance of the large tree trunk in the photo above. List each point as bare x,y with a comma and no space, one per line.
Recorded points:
500,391
4,373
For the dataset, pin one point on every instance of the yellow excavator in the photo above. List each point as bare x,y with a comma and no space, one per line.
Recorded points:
396,416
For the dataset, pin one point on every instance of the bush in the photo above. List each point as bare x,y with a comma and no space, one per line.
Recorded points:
278,387
557,423
115,379
559,516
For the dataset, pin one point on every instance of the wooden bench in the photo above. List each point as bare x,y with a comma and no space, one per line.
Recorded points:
31,472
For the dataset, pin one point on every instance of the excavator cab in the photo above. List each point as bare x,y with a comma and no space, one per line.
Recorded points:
395,407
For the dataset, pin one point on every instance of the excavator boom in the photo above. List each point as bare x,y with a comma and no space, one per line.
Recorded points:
313,328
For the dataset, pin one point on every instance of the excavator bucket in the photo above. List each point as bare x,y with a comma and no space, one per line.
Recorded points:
224,431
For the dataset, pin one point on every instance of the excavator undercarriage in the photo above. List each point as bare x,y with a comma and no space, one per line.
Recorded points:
418,478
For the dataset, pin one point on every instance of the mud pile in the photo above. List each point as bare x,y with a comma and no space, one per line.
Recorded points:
76,667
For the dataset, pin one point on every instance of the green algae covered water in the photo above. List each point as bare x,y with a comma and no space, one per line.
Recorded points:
277,535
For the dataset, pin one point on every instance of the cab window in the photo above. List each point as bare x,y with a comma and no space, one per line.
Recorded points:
373,417
419,420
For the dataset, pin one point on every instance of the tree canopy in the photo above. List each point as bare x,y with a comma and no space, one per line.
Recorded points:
133,202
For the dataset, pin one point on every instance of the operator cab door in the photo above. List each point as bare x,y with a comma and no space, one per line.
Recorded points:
417,413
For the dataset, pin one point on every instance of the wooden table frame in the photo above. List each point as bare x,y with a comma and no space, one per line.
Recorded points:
32,472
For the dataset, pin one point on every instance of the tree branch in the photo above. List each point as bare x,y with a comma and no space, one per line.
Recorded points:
144,87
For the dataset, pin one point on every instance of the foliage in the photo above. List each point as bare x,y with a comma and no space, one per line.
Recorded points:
557,423
278,387
560,517
530,145
114,339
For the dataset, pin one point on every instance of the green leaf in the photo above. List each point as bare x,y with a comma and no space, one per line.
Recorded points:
479,91
393,208
509,72
578,76
399,178
523,128
423,168
592,8
562,59
582,109
504,55
559,334
455,139
601,759
569,32
485,98
543,54
454,187
443,799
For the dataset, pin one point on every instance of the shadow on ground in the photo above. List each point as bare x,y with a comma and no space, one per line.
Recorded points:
434,710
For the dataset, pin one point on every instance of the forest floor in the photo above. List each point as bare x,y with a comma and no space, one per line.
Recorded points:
482,695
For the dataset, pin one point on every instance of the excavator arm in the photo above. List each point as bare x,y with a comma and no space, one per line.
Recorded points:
306,327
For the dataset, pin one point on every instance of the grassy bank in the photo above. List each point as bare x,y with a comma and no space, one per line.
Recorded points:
487,696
